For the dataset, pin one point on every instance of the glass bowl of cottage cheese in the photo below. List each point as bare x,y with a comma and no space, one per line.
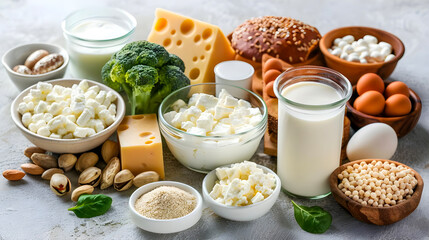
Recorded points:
206,125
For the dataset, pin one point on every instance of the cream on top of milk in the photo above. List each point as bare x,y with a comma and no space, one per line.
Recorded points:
311,93
97,29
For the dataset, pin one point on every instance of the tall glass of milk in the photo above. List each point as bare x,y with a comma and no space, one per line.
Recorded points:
93,35
310,128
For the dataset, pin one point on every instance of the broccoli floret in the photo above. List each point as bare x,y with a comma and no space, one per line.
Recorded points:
146,72
176,61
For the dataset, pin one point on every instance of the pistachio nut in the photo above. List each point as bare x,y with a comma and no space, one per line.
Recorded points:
67,161
44,160
32,169
90,176
109,173
30,150
86,160
109,150
84,189
145,178
60,184
123,180
47,174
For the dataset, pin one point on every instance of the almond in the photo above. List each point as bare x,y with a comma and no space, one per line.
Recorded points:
109,150
32,169
30,150
13,174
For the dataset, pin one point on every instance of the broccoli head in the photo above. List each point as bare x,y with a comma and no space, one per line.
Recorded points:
146,72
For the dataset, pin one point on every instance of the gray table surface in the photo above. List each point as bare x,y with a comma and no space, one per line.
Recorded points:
29,210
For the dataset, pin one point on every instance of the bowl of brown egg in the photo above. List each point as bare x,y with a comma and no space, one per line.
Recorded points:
28,64
377,191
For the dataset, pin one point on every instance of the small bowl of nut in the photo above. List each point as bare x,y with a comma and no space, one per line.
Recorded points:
377,191
356,50
68,115
28,64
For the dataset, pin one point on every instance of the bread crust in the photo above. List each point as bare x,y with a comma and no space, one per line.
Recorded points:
286,38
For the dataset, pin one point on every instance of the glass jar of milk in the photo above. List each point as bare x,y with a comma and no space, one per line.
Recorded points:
93,35
310,128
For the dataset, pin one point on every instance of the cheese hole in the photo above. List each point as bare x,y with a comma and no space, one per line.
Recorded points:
173,32
137,117
122,127
202,57
187,26
152,138
208,47
179,43
144,134
195,59
166,42
148,142
197,38
161,24
207,33
194,73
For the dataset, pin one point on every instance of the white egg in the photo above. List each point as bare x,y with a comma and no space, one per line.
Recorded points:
374,141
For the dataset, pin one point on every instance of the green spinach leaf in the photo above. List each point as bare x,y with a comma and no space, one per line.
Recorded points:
91,205
312,219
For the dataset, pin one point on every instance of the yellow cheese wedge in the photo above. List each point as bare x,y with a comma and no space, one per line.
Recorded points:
200,45
141,144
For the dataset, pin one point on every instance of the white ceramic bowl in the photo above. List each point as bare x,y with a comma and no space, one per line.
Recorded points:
17,56
205,153
240,213
167,225
68,145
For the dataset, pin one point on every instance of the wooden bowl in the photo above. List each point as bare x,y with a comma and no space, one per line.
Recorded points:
402,124
353,70
376,215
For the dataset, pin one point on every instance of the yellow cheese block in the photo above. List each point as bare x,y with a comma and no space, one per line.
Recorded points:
200,45
141,144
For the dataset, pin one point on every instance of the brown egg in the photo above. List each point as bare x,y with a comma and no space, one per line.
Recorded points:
395,88
273,63
270,89
370,81
370,102
271,75
397,105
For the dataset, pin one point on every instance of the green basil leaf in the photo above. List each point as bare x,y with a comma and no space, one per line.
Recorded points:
312,219
89,206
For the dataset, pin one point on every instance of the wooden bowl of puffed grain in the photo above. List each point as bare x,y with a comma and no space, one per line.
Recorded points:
360,205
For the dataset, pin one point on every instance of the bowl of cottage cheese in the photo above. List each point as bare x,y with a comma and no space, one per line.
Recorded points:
205,126
68,115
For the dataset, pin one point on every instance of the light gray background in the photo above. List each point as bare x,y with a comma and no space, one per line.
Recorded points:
29,210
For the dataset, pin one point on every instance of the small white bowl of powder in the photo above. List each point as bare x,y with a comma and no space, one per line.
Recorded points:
165,207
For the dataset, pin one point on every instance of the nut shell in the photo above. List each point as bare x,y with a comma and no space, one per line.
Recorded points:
67,161
145,178
90,176
44,160
109,173
32,169
34,57
123,180
47,174
48,63
109,150
22,69
86,160
60,184
13,174
30,150
84,189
